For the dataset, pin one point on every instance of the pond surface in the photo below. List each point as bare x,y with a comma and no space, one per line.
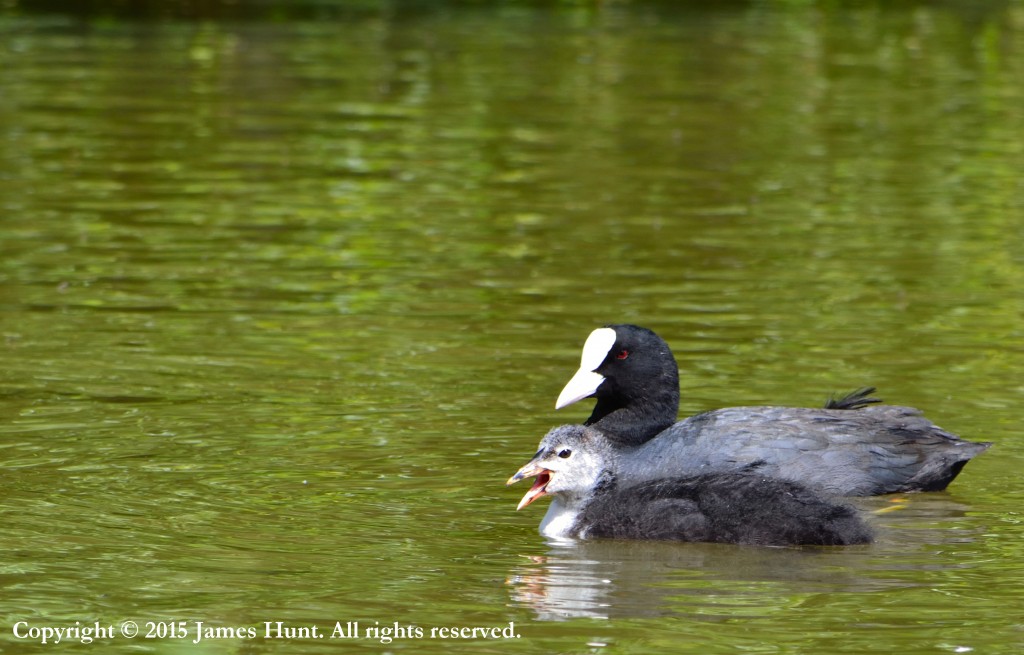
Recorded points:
284,301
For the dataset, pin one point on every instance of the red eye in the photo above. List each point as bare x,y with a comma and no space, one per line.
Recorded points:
622,354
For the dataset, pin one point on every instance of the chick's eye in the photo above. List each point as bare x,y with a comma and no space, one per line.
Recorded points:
565,452
623,354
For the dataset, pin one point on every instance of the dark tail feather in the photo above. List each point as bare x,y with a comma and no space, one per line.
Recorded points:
858,399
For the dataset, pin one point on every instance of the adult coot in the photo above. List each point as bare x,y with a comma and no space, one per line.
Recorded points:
578,467
849,448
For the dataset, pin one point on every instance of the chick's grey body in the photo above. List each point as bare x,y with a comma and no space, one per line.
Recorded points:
593,496
861,449
736,507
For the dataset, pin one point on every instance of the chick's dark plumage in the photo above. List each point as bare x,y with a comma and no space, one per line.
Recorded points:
738,508
594,497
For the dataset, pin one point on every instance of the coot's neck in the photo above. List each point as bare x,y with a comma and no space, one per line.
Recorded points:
636,421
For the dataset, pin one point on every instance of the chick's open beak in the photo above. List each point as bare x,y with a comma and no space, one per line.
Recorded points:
539,486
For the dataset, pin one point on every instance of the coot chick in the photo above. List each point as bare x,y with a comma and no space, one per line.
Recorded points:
847,449
576,465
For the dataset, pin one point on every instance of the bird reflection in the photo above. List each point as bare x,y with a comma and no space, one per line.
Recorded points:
617,579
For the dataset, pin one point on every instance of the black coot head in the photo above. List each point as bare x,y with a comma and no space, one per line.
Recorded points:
622,364
631,372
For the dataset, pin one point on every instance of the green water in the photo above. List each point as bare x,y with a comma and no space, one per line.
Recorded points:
284,302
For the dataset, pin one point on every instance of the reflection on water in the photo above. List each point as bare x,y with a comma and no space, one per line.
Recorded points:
613,579
616,580
284,301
